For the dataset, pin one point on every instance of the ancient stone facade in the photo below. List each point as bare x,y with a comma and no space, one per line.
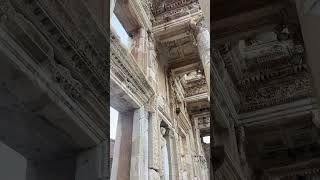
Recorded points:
265,122
160,86
54,90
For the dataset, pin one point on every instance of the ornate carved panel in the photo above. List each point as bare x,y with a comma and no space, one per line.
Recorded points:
72,54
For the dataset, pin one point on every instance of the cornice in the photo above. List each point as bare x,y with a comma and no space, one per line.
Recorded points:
72,54
126,73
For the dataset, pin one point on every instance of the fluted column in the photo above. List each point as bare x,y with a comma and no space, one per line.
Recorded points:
203,44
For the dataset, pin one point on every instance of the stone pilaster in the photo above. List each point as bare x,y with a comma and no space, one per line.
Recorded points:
203,44
138,44
173,155
189,156
197,135
139,154
154,143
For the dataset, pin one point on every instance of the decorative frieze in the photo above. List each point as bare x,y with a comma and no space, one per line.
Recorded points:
288,90
125,71
167,12
40,34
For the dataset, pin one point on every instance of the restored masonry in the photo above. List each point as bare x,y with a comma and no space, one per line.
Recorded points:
160,86
265,57
54,75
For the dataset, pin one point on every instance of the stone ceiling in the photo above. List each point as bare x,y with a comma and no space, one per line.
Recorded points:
262,19
173,33
177,48
223,9
262,50
283,143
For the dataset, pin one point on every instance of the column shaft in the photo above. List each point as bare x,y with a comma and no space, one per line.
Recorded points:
139,154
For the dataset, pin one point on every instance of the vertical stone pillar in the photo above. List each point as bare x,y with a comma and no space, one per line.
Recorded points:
154,146
180,153
138,47
173,155
203,43
196,138
197,135
139,154
205,7
309,16
189,156
122,148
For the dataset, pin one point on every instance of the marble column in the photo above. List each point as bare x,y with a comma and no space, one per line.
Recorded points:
203,44
122,148
139,153
189,157
173,154
138,44
178,155
154,146
197,135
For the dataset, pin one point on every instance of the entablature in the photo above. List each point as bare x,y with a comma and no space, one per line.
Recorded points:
165,11
64,50
126,73
133,15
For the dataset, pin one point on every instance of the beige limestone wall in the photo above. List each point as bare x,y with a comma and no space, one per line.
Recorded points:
161,81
